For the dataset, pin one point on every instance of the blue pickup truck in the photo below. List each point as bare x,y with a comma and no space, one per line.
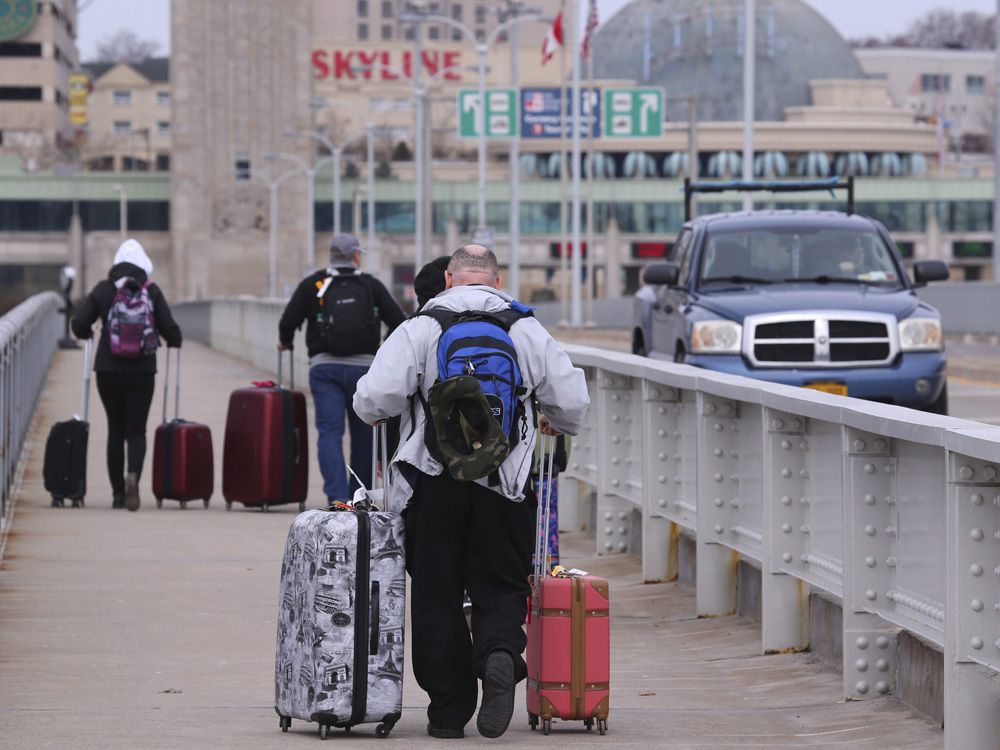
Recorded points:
819,299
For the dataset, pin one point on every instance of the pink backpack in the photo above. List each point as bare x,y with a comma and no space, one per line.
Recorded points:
131,323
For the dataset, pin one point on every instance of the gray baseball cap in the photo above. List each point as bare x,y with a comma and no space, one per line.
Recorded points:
345,244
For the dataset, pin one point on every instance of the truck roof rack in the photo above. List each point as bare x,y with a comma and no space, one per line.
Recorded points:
767,186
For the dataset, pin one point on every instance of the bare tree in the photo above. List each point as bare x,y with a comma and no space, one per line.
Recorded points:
125,46
939,29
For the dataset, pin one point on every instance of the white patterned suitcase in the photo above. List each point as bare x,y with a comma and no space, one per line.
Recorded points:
339,658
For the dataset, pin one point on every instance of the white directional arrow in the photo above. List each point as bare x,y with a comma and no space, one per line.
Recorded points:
648,102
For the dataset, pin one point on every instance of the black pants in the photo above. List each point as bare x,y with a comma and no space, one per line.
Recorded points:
126,397
461,536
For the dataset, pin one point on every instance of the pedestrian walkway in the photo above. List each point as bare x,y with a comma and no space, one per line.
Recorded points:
156,629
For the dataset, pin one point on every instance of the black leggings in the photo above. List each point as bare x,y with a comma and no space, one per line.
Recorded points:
126,397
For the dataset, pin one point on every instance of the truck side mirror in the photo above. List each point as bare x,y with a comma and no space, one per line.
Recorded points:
661,274
929,270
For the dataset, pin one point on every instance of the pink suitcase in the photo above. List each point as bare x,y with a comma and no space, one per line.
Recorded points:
569,642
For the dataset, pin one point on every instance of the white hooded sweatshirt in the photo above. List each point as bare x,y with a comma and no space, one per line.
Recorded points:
130,251
408,361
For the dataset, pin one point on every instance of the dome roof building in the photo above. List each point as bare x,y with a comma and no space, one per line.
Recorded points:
696,47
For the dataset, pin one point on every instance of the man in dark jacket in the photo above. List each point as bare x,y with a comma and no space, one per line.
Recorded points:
343,310
125,384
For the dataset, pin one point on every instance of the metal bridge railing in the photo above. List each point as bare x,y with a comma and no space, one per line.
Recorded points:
893,512
28,336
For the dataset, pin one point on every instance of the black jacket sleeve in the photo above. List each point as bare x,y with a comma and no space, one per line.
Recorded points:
296,311
86,315
388,310
166,326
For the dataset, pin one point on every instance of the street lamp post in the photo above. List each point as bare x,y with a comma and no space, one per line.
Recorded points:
482,49
122,209
420,196
310,173
336,151
272,254
370,155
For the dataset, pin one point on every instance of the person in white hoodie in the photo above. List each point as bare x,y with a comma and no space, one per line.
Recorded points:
474,535
125,384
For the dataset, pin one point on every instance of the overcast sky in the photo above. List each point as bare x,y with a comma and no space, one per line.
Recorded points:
150,19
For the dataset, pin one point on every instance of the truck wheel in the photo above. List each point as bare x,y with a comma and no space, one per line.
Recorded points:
638,344
940,404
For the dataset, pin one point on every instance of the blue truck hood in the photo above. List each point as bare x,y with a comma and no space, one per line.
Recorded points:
737,304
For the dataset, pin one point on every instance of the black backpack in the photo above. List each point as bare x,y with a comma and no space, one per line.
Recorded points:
348,320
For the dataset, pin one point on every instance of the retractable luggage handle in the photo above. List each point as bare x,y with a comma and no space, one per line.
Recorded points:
291,369
177,386
548,444
88,347
380,447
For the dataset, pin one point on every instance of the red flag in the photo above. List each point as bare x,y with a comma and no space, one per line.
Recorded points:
553,39
592,24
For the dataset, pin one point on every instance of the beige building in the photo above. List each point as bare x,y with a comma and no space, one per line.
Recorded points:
954,87
129,116
34,82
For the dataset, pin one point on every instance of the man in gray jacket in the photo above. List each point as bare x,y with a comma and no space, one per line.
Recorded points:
464,535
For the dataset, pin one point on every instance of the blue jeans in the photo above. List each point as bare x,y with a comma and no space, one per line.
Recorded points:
333,388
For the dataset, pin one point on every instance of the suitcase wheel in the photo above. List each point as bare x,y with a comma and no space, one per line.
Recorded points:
184,504
205,502
546,726
159,502
602,726
324,731
57,502
78,502
589,723
533,722
383,729
229,504
284,722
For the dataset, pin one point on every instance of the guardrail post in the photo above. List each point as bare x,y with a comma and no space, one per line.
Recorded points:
869,555
716,578
618,449
661,432
972,644
784,595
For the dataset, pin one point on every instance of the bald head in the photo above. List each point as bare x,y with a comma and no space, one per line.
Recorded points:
473,264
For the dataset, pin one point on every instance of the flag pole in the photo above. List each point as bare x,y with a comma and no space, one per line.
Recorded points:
591,248
563,249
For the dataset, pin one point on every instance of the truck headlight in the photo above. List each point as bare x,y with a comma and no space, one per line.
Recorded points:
920,335
716,337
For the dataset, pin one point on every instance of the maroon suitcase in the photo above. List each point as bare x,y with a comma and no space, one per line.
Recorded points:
183,461
265,458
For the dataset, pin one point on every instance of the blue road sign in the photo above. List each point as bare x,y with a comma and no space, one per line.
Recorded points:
541,109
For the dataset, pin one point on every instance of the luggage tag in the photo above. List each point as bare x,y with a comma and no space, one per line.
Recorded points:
364,498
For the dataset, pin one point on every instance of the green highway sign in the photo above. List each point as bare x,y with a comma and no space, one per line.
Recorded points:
502,118
633,113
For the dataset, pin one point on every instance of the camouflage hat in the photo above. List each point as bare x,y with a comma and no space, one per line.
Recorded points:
470,440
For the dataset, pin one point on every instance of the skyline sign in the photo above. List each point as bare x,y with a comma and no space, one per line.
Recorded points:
501,113
541,111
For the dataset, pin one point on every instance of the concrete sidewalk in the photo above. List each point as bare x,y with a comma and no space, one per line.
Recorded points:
156,629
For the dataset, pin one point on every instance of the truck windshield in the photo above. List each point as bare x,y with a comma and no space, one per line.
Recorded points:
797,254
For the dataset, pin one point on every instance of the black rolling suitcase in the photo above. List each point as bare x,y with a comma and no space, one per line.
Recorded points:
65,468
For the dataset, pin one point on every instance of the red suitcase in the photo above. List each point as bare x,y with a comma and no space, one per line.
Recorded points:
569,642
265,458
183,462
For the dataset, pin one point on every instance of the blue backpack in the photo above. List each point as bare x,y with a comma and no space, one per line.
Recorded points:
477,344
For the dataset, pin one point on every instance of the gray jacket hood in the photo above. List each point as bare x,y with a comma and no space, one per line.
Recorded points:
407,361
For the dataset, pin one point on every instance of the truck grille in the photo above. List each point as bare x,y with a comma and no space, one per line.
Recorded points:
820,339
